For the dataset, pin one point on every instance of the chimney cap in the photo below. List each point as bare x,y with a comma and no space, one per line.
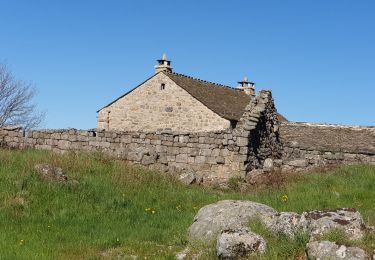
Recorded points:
245,81
163,64
164,58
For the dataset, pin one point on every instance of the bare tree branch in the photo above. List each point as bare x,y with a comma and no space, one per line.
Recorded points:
16,102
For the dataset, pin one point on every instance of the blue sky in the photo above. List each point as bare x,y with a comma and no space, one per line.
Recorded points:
318,57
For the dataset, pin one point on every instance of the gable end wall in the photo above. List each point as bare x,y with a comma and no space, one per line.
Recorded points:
148,108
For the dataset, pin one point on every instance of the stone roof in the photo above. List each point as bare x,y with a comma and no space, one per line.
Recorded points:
225,101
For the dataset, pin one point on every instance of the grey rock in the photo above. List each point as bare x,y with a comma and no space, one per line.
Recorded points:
250,125
235,243
187,178
277,162
227,214
298,163
242,141
149,159
287,223
50,173
268,164
327,250
220,160
183,254
318,222
294,144
134,156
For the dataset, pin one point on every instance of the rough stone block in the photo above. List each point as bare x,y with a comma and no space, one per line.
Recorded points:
224,152
215,152
64,144
182,158
171,158
167,143
298,163
133,156
244,150
162,159
220,160
191,160
205,152
200,159
183,139
160,149
242,141
155,142
211,160
148,159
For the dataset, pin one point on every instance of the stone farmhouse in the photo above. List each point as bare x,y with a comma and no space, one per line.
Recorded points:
205,131
176,102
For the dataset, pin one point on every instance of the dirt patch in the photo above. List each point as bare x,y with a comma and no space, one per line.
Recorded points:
267,179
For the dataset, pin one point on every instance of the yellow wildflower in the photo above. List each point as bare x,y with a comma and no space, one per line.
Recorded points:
284,198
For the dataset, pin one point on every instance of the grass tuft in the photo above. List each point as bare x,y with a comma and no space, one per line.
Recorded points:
280,246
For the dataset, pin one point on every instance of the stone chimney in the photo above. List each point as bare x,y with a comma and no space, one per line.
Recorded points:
163,65
247,86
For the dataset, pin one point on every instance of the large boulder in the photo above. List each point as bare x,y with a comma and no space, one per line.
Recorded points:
235,243
227,214
320,222
327,250
287,223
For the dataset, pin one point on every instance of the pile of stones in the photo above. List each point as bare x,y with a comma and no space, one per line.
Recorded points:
227,222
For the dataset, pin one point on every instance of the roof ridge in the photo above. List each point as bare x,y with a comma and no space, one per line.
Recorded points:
202,80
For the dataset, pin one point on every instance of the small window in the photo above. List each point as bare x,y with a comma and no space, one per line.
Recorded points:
108,117
233,124
162,86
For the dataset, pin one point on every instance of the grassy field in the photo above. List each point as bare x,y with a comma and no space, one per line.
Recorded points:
119,210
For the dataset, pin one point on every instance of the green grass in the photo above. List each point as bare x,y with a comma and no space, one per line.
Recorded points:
120,210
280,246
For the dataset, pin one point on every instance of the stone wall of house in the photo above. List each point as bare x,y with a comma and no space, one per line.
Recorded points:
150,108
307,145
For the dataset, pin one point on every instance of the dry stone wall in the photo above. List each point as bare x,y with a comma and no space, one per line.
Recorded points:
201,152
260,126
307,145
214,154
257,142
